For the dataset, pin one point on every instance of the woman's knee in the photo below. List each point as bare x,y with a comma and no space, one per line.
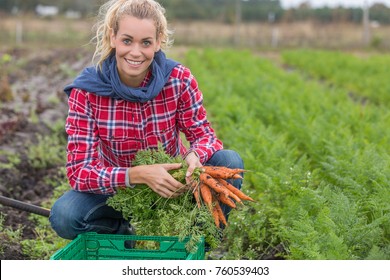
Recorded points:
77,212
64,217
228,158
60,223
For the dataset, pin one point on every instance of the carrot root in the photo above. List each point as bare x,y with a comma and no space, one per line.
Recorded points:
231,194
212,189
206,196
238,192
213,183
222,218
197,199
216,217
223,172
226,200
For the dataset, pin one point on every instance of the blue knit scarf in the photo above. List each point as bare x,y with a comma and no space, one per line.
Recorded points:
107,82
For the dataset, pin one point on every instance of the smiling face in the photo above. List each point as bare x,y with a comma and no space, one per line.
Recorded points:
135,43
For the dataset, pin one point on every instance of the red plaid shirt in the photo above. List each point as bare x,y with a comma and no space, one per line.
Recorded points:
104,134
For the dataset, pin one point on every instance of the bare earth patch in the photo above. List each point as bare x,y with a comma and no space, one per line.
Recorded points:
37,101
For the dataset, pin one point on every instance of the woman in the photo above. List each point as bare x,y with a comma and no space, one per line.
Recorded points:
134,98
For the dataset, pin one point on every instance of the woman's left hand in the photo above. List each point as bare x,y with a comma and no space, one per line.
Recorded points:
192,160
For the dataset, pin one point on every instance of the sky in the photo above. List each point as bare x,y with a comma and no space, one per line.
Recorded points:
333,3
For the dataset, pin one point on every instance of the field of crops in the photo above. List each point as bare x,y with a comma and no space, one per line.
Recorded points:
314,134
312,129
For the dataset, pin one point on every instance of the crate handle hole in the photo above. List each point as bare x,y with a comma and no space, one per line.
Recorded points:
142,244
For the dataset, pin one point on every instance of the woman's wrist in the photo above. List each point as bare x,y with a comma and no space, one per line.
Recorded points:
128,181
189,152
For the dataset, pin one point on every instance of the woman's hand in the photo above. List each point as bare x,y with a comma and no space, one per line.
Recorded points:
156,176
192,160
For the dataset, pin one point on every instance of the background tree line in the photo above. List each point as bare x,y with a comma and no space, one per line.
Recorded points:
223,10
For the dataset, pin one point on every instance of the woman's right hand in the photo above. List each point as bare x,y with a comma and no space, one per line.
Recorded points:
156,176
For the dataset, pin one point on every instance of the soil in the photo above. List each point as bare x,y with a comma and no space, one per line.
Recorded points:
31,82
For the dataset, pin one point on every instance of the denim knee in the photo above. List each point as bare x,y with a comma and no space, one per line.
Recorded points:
67,215
59,221
75,213
228,158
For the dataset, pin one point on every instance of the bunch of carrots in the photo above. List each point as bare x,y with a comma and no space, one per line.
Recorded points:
212,188
184,216
210,183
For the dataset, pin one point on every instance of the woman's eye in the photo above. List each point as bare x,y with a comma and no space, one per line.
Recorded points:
126,41
147,43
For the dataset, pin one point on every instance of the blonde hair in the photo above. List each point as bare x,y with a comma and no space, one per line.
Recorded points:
113,11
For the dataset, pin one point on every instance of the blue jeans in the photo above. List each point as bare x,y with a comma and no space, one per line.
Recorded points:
78,212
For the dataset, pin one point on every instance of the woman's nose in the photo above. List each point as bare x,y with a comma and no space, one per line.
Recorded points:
135,50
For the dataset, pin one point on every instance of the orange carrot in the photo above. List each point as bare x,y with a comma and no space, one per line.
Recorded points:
221,216
237,192
196,195
223,172
216,216
224,169
235,197
206,196
212,183
226,200
231,194
195,190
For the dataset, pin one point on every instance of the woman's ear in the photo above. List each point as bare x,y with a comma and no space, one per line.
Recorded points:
158,44
112,38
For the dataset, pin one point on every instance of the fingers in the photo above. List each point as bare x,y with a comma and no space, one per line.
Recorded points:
180,188
169,189
158,179
171,166
193,161
164,184
189,172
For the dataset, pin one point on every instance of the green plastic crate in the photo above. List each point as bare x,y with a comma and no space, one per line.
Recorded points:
93,246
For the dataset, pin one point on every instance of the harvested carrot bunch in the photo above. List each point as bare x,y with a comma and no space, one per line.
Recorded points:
211,188
152,214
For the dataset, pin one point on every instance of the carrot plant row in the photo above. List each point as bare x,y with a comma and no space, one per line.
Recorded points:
364,76
319,160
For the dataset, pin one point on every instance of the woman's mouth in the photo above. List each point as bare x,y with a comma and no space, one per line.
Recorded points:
133,62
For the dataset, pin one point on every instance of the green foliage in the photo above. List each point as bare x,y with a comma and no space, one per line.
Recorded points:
364,77
45,244
13,159
318,155
49,151
47,241
152,214
8,235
